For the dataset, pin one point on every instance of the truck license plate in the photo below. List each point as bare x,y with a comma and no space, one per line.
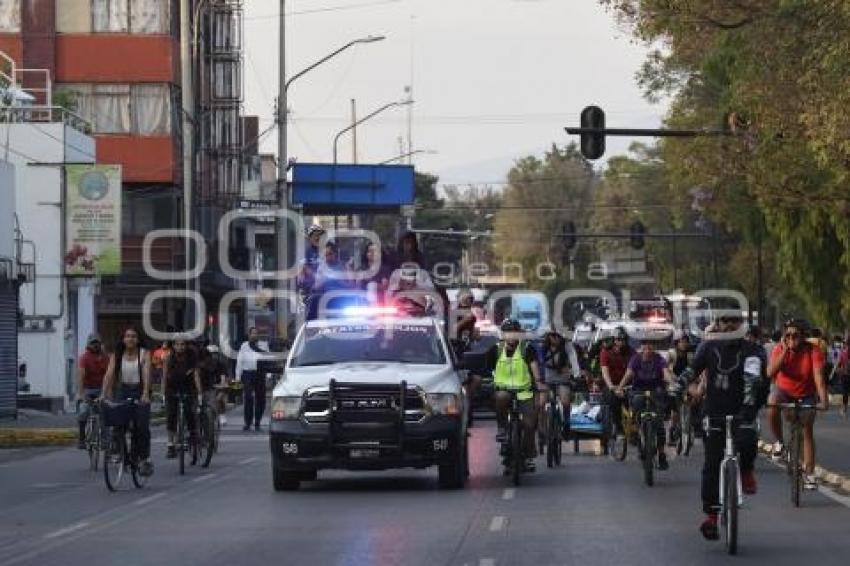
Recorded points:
364,453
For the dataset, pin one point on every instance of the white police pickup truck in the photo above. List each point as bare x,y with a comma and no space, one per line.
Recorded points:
372,391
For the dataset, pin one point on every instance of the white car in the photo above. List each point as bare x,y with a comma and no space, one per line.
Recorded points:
373,391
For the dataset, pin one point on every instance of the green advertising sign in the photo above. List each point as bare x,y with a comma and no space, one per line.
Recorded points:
93,220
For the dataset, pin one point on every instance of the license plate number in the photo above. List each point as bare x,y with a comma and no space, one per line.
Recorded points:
364,453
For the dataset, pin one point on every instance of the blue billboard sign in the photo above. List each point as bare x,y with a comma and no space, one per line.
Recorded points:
328,188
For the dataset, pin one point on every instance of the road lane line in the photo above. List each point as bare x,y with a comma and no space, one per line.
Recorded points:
205,477
509,493
826,491
487,562
248,461
67,530
498,523
150,498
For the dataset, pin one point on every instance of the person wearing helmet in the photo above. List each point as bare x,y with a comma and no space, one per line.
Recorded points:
796,366
560,369
515,368
648,371
613,362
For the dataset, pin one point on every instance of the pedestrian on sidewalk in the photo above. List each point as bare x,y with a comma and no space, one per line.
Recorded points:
93,363
253,382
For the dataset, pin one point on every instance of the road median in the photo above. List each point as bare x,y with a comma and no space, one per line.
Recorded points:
29,437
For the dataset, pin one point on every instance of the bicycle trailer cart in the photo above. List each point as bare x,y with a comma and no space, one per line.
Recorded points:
589,420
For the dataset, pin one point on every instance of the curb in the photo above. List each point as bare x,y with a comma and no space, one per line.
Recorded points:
22,438
838,481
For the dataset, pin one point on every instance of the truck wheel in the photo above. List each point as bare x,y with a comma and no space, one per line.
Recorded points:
453,476
309,475
283,480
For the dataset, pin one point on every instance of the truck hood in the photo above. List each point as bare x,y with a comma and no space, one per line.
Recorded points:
431,378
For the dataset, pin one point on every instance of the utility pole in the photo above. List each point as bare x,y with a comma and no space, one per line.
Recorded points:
281,224
353,130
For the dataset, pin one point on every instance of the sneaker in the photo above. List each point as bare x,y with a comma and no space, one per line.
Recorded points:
748,482
222,420
708,528
246,428
777,451
146,468
810,482
662,462
171,452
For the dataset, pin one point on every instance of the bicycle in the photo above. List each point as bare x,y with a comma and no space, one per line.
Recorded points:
793,455
207,427
514,441
647,420
93,436
182,445
119,453
552,425
681,428
731,494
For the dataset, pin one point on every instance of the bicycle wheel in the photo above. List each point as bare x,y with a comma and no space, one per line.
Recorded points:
181,442
730,505
115,460
139,480
797,471
205,438
516,450
216,431
648,442
93,442
687,431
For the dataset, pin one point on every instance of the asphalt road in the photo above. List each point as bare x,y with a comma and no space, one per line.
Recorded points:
591,511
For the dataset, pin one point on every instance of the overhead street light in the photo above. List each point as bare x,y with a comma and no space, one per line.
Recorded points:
409,154
366,118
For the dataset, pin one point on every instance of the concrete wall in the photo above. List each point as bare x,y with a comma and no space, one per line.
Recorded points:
7,209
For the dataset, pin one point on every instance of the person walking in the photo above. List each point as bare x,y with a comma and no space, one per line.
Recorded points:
253,383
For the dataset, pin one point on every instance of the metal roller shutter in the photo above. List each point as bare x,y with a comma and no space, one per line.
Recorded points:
8,350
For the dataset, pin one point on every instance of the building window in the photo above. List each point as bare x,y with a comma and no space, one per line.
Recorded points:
10,16
130,16
138,109
142,213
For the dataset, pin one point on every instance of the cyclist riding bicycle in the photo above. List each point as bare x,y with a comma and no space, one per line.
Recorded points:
736,384
614,360
649,372
678,359
515,368
560,369
796,367
213,372
93,364
181,378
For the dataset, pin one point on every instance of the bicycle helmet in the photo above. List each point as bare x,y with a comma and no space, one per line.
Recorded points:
315,229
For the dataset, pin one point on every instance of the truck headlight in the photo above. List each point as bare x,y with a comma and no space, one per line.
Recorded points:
444,403
286,408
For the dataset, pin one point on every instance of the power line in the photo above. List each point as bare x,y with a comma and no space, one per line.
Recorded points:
324,10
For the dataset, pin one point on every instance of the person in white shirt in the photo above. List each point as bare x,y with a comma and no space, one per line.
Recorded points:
253,382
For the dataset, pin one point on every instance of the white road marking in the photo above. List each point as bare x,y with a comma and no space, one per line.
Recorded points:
509,494
826,491
203,478
487,562
67,530
248,461
498,523
150,498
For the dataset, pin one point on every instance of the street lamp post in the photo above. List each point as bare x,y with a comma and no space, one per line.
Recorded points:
366,118
283,260
408,154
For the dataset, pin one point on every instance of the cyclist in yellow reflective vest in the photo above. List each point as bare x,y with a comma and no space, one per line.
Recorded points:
515,368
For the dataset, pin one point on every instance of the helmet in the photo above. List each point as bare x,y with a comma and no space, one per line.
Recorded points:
510,325
315,229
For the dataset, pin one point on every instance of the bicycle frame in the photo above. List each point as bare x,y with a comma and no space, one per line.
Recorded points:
730,454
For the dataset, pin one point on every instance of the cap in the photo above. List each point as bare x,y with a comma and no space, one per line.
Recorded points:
93,337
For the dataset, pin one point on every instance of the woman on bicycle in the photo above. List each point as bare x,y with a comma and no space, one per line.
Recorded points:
129,376
181,378
213,373
649,372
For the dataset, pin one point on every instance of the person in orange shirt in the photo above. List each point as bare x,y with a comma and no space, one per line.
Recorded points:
158,360
796,366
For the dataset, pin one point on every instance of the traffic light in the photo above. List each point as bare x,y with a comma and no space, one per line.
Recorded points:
638,231
593,144
568,233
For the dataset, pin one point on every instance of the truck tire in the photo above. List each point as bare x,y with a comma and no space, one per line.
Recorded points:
453,475
284,480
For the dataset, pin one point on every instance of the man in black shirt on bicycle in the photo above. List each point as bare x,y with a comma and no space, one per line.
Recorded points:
736,385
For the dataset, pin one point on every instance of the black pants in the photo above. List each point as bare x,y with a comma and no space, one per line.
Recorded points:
746,443
172,406
141,418
659,398
253,396
615,407
502,404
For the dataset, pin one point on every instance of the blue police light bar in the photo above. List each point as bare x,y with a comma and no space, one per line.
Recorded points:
341,189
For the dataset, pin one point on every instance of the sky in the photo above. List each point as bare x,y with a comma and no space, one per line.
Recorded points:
492,80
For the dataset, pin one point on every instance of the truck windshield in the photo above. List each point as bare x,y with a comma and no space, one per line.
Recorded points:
409,344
